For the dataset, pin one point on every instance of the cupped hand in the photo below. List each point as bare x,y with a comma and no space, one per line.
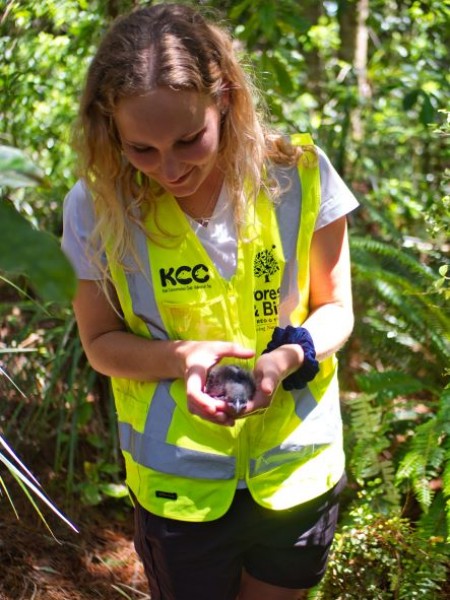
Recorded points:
199,358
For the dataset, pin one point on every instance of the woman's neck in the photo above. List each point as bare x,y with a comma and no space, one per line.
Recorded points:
200,206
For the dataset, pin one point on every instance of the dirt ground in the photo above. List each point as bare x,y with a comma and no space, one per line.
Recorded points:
99,563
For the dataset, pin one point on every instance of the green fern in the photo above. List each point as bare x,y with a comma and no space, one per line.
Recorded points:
382,414
402,283
392,383
433,524
428,456
377,557
369,456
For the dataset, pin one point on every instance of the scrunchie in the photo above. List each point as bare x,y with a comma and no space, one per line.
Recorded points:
310,366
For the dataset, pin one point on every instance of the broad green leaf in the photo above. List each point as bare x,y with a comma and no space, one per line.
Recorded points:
237,9
427,113
114,490
267,19
410,99
282,74
35,254
91,494
16,169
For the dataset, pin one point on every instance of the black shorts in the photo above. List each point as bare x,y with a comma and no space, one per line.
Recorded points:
204,561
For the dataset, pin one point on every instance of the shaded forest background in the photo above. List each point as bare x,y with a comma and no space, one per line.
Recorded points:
370,80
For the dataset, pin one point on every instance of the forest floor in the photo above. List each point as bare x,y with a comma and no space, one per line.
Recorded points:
99,562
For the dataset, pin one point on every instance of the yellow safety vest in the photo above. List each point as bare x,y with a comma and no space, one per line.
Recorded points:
179,465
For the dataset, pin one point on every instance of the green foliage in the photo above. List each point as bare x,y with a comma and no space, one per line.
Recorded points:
64,405
29,484
405,322
37,254
379,557
20,246
23,249
386,130
369,441
45,48
402,444
427,459
98,485
16,169
398,418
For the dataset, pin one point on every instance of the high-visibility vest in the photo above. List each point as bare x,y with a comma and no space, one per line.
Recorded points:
177,464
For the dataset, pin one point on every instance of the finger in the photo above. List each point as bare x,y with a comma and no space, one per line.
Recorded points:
195,378
220,417
266,380
268,384
235,350
202,403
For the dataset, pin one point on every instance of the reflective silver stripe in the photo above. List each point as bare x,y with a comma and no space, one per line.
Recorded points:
282,455
293,452
288,212
288,209
141,289
150,448
304,402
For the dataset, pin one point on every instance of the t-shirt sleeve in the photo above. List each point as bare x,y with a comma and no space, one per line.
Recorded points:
336,198
78,223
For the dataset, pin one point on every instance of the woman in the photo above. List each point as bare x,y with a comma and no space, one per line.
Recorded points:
202,238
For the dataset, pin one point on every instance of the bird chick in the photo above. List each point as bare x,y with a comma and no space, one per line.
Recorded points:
232,384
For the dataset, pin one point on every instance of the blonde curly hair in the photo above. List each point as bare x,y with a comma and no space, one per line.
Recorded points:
166,45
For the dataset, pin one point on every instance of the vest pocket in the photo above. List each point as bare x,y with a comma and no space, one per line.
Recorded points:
132,399
200,320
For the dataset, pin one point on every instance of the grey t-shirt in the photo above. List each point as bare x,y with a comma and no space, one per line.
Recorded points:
218,238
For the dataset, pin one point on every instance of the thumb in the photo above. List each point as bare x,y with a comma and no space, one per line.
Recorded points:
267,385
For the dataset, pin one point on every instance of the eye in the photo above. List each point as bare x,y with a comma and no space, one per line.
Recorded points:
193,139
141,149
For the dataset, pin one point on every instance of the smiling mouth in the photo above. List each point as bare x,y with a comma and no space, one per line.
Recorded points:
181,179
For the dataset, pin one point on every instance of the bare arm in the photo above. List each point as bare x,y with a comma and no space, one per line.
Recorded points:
330,321
114,351
110,348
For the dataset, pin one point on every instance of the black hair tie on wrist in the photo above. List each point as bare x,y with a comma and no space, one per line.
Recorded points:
310,366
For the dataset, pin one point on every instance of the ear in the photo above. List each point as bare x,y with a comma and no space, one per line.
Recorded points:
224,98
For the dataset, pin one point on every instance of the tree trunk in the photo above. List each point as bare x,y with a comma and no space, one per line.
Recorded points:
354,33
360,64
312,11
347,19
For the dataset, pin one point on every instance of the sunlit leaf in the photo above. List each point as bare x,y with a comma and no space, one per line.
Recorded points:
16,169
36,254
114,490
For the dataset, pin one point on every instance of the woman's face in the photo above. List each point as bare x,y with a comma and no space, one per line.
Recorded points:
173,137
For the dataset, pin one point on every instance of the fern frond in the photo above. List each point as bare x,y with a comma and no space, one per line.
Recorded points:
426,322
368,456
394,258
446,475
423,460
365,416
403,282
433,523
387,471
396,383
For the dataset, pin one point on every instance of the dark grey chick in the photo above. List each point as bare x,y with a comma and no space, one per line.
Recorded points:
233,384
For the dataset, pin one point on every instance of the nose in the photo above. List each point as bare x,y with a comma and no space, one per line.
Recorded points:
170,167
